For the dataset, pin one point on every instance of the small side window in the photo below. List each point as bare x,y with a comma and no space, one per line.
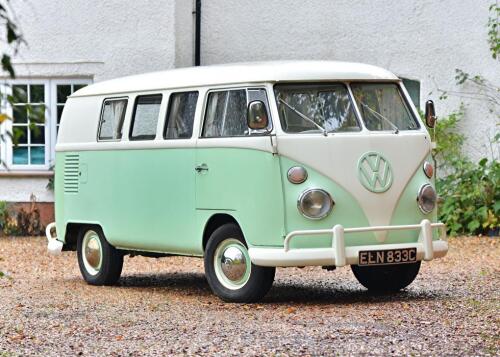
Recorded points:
226,114
413,89
180,115
112,115
145,117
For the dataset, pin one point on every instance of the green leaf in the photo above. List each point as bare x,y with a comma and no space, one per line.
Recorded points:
7,65
496,207
473,225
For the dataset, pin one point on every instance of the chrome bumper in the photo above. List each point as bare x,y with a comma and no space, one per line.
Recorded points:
54,246
340,255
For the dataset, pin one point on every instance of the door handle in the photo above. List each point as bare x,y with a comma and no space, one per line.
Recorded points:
201,168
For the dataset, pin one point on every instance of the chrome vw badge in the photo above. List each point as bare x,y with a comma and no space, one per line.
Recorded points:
374,172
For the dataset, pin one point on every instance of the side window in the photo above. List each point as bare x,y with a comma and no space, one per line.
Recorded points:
226,114
260,94
180,115
145,117
112,115
413,89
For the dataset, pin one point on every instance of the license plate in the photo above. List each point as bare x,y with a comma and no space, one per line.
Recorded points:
385,257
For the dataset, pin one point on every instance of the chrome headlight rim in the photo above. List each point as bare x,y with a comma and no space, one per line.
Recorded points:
420,198
330,201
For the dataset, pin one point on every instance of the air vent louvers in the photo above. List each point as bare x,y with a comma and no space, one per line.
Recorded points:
71,173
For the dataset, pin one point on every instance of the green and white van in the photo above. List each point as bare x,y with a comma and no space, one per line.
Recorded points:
252,167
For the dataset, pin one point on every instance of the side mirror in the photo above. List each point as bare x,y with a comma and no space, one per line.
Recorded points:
257,118
430,114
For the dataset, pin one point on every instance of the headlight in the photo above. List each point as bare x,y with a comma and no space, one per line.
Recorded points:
428,169
315,203
426,198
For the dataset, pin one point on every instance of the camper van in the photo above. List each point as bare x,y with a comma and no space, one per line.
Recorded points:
250,167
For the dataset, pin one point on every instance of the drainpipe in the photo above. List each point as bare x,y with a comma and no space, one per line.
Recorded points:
197,33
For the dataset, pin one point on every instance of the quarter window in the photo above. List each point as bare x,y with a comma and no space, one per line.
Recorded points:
29,134
145,118
180,115
226,114
113,113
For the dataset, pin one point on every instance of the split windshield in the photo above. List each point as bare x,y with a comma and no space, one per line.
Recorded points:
328,108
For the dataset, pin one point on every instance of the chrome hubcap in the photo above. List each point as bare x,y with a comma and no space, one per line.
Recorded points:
92,252
232,264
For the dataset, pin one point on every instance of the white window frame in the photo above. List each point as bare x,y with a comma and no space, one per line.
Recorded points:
50,126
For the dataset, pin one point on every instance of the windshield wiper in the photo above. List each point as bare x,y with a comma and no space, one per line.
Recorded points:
380,116
303,116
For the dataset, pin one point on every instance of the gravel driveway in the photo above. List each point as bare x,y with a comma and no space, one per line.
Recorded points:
164,307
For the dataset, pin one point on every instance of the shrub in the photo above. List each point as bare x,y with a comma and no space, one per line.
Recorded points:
23,223
469,191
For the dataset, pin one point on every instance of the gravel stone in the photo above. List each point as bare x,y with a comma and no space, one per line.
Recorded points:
165,307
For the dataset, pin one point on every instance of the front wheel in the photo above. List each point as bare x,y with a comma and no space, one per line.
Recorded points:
386,278
99,262
229,271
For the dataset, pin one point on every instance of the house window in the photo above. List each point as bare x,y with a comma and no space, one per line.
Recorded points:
35,140
30,135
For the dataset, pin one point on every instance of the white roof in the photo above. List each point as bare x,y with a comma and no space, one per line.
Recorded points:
276,71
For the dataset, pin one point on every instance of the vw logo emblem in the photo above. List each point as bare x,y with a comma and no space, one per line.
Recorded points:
375,172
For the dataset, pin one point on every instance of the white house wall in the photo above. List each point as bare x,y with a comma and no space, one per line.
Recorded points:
97,40
101,39
423,40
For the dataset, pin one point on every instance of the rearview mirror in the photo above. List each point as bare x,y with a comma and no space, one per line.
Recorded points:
257,118
430,114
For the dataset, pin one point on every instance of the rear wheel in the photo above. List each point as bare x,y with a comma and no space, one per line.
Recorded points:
386,278
99,262
229,271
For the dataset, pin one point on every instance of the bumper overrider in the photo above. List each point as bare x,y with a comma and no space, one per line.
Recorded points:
339,255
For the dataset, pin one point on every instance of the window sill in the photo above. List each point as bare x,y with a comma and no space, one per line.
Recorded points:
27,173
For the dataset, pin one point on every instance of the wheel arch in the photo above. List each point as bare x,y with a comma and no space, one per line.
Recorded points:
72,231
215,221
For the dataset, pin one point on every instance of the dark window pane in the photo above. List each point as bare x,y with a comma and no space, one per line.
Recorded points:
20,114
226,114
20,156
113,113
214,113
59,113
147,109
78,86
20,93
37,114
37,134
37,155
63,91
37,93
413,88
180,115
20,134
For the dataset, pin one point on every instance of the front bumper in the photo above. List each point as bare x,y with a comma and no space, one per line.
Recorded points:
340,255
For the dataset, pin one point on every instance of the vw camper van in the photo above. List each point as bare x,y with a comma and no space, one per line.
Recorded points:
251,167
